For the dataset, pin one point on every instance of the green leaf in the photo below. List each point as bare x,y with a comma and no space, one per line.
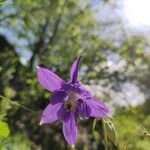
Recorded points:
111,132
4,129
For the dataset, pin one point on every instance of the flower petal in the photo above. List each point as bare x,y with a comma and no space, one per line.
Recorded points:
74,69
83,109
48,79
58,97
49,114
98,108
84,91
63,114
70,129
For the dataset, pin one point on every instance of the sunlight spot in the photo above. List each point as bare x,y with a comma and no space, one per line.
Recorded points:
137,12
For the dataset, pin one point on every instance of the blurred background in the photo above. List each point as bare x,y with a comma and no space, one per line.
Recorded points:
115,35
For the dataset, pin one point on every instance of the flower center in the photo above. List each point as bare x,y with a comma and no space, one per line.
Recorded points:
68,106
70,103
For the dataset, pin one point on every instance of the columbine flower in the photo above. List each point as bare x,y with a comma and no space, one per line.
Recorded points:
68,100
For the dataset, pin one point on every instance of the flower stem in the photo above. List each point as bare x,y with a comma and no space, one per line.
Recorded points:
17,104
105,134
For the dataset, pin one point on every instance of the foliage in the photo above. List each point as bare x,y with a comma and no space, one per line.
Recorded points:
4,129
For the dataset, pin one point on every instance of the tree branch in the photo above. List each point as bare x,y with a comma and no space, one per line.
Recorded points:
40,43
56,25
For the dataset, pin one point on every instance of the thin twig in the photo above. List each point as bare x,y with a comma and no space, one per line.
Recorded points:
17,104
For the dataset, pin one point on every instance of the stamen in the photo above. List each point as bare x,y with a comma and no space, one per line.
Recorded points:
68,105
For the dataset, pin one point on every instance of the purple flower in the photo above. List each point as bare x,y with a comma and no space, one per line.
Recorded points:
68,100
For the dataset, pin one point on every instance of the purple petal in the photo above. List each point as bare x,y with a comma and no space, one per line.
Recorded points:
70,129
48,79
98,108
74,70
58,97
63,114
83,109
49,114
84,91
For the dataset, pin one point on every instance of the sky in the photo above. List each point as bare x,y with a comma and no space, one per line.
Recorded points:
137,12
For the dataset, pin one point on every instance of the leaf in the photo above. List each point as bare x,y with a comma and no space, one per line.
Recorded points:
4,129
111,132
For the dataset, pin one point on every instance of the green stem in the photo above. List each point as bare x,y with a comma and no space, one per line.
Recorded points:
131,140
17,104
105,134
